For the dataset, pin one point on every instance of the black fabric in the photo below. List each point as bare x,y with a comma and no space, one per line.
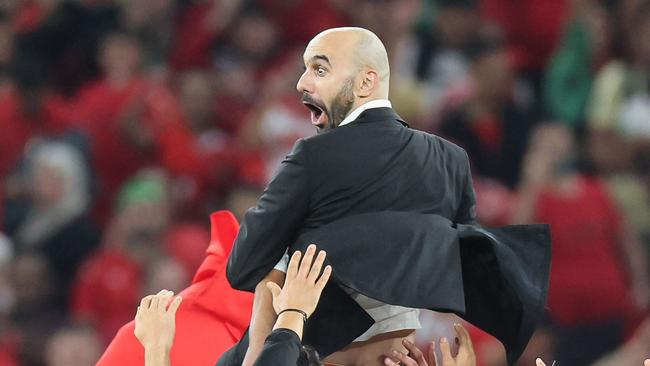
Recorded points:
395,209
281,348
235,355
496,278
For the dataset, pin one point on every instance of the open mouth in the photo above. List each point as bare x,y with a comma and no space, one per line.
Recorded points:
316,114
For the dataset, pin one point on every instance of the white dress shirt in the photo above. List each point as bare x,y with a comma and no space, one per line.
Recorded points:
388,318
377,103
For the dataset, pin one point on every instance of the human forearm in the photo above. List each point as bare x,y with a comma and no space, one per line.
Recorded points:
526,200
291,320
156,356
263,318
272,223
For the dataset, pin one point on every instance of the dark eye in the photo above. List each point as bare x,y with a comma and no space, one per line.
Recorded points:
320,71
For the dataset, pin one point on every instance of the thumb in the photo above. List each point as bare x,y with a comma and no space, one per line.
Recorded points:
274,288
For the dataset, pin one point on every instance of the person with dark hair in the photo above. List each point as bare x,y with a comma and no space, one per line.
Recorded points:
297,299
441,61
491,124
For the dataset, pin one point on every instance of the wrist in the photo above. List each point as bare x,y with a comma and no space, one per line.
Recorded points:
291,320
295,310
157,348
156,355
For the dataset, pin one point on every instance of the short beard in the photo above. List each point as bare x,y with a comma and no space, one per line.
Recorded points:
341,105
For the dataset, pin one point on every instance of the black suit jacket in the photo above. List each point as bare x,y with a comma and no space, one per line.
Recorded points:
388,203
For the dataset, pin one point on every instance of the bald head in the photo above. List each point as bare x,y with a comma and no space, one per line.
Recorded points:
363,47
344,68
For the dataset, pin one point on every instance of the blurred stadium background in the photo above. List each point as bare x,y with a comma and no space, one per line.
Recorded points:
124,123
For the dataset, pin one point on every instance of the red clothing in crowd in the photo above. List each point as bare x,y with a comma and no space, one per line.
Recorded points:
194,38
107,291
532,27
104,112
320,15
212,316
18,126
588,281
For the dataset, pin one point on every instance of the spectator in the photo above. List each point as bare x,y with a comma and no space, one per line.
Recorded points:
6,49
441,61
199,25
124,114
199,153
165,272
532,30
617,99
186,243
73,345
33,316
595,261
569,73
151,22
110,282
57,222
491,125
8,346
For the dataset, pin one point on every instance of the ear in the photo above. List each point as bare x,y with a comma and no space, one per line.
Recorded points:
369,82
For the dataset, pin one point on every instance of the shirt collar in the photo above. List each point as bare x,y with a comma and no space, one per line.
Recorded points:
377,103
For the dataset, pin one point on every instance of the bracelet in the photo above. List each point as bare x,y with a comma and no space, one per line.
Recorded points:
304,315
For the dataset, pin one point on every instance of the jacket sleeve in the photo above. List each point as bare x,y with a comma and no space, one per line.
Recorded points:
272,225
466,213
281,348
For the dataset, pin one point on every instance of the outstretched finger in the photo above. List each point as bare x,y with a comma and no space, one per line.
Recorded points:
391,362
154,302
164,300
292,269
404,359
539,362
146,302
307,259
445,350
414,352
316,267
322,281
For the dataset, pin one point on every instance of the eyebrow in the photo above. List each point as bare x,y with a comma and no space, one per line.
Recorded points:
321,57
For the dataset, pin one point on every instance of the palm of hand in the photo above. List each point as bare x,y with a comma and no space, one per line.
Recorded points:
303,284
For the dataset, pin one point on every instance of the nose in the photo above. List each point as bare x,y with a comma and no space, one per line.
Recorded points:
304,85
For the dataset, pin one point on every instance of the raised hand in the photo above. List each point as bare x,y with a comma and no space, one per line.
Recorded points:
155,323
303,284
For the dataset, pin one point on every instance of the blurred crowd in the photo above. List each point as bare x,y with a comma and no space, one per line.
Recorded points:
124,123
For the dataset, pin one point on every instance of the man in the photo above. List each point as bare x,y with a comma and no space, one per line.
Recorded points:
378,196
